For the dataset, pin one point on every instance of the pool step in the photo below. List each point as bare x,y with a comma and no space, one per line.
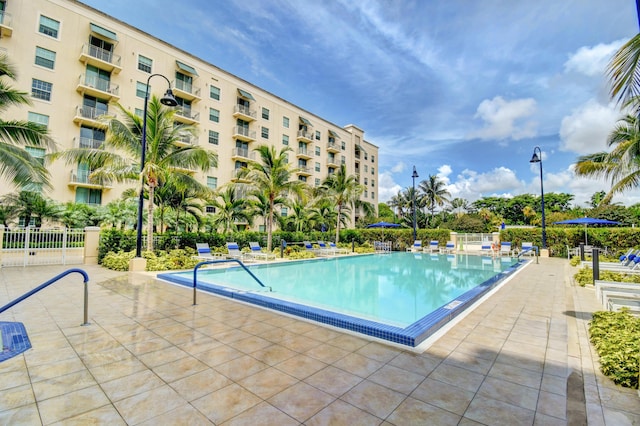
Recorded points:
14,339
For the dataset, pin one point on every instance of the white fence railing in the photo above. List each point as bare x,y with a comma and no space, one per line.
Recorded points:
36,246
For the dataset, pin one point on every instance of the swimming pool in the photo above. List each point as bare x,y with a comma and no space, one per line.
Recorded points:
401,297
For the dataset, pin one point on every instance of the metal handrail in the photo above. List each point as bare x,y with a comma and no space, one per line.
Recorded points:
209,262
51,281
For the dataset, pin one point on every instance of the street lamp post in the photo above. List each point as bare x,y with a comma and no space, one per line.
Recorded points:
414,176
169,100
538,159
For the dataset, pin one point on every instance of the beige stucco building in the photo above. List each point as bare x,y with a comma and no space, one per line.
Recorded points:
77,61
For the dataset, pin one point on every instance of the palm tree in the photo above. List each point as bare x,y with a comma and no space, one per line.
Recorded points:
435,193
164,156
343,190
230,209
620,165
271,176
27,205
624,73
16,164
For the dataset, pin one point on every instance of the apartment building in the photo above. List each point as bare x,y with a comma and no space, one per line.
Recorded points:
77,62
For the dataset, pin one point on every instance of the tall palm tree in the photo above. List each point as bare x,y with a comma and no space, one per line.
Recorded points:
230,209
344,190
271,176
16,164
164,155
435,193
624,73
620,165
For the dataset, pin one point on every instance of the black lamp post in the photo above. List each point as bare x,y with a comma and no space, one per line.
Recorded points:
538,159
169,100
414,176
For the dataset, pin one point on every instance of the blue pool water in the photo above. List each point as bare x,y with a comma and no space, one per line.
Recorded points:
411,295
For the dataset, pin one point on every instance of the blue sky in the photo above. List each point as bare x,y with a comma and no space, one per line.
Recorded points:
461,89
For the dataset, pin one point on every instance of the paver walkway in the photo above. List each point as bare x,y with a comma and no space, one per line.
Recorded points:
150,357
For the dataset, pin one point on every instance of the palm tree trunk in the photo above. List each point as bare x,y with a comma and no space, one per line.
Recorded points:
338,224
270,225
150,220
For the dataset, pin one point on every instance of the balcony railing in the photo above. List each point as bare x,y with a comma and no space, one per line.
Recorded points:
303,152
101,54
187,114
82,177
99,84
90,113
305,135
244,110
332,146
244,132
83,142
5,24
186,88
241,152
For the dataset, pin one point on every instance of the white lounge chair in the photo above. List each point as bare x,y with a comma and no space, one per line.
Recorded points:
505,248
417,246
486,248
434,246
526,249
450,247
234,253
256,251
338,250
204,252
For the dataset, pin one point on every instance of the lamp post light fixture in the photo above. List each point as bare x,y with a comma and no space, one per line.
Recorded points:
169,100
414,176
538,159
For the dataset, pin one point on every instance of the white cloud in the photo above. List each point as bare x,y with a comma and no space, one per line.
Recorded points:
505,119
585,131
592,61
387,187
472,185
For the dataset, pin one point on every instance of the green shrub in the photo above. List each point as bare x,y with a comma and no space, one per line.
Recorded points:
616,337
118,261
585,276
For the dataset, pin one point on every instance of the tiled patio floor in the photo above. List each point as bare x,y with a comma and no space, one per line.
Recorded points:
150,357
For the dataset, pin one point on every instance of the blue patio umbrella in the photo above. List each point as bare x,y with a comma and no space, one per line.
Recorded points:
383,225
586,221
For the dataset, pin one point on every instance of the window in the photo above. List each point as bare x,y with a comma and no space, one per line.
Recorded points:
365,155
302,178
373,195
264,132
214,115
88,196
41,89
91,137
45,58
284,212
343,160
212,182
366,181
343,145
366,168
317,135
214,137
285,122
265,113
317,167
100,79
49,26
37,153
184,82
214,92
317,151
373,170
366,193
373,183
141,89
373,158
144,64
285,139
317,182
139,112
41,119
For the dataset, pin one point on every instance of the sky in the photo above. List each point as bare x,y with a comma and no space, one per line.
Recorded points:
461,89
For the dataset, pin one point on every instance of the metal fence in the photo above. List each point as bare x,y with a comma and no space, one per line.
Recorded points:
36,246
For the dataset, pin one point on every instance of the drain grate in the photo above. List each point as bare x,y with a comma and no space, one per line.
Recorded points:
14,339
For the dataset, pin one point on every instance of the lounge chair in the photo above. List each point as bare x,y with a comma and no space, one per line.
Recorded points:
505,249
417,246
339,250
309,247
204,252
434,246
234,253
486,248
450,247
527,249
324,248
256,252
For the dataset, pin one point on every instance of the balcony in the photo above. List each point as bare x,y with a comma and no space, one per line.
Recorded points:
185,90
243,134
186,141
244,113
89,116
100,58
82,142
80,178
304,171
242,154
6,20
304,154
332,162
98,87
237,176
305,136
333,147
186,116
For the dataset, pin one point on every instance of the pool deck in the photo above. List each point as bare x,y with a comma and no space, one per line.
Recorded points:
150,357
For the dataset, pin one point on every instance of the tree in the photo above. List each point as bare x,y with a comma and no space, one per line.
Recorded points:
435,193
343,190
30,205
230,210
624,72
271,176
164,157
16,163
